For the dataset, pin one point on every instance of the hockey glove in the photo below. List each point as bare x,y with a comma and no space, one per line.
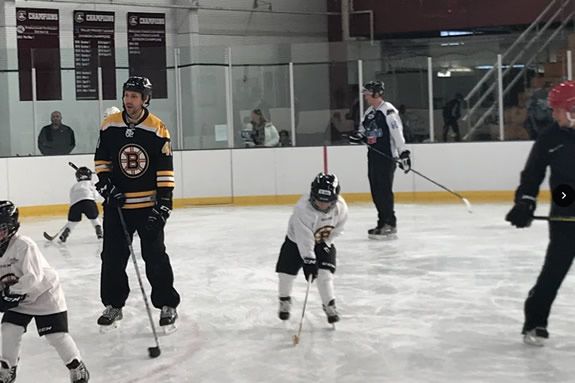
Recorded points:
157,219
310,268
325,256
404,161
9,301
357,138
521,214
112,195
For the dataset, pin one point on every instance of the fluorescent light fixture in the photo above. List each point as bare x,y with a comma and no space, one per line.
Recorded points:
488,67
447,73
454,33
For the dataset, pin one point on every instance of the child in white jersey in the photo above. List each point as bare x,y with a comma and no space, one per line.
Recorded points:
317,219
82,201
30,289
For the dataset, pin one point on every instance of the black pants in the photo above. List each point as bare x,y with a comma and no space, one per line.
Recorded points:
290,261
114,287
380,172
558,260
45,324
451,123
87,207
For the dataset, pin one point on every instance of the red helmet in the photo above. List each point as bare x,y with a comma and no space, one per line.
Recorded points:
562,96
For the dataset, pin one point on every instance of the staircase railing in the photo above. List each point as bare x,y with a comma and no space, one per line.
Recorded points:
474,116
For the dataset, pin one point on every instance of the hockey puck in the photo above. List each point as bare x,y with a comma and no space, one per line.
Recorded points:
154,352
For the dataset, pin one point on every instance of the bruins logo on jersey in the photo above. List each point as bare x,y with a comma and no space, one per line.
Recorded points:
134,160
323,233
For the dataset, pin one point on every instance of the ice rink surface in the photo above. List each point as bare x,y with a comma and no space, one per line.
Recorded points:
443,303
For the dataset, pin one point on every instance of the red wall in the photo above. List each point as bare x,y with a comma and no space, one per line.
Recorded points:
401,16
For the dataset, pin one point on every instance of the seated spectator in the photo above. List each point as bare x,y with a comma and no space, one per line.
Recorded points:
56,138
284,138
263,132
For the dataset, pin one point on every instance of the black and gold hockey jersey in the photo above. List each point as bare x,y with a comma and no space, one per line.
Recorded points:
137,158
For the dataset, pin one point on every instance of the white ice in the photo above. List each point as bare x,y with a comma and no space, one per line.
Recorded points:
442,303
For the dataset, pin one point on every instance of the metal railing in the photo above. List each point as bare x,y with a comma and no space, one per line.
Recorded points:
553,12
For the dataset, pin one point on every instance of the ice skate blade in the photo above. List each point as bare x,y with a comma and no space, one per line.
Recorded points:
168,329
389,237
109,328
533,341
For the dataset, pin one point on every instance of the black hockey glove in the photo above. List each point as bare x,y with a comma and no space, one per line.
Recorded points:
157,219
357,138
325,256
112,195
521,214
9,301
404,161
310,268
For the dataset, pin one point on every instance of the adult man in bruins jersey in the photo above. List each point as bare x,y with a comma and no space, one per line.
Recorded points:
135,169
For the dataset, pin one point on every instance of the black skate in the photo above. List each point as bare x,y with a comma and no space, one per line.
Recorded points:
64,235
99,232
110,318
168,318
535,337
78,372
383,233
7,373
331,312
285,307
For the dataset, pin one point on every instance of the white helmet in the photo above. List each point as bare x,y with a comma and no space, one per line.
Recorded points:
111,110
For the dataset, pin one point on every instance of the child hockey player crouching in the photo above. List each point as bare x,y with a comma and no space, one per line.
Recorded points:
316,220
82,201
30,289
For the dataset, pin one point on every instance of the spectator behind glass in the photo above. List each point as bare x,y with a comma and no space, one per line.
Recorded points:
263,132
56,138
284,138
451,114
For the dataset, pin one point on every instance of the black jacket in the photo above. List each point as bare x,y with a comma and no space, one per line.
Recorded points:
554,148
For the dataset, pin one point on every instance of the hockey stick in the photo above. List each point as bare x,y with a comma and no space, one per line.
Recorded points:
296,337
555,219
153,352
52,237
463,199
73,166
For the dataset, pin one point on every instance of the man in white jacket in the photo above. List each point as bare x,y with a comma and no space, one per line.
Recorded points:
30,289
317,219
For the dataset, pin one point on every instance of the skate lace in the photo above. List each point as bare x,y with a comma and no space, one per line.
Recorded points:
330,310
6,374
285,306
78,373
111,312
168,312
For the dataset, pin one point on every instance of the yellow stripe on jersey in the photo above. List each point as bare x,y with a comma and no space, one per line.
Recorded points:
154,124
139,205
166,184
140,194
102,162
112,120
165,173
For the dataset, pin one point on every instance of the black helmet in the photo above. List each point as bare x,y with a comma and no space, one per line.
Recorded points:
141,85
324,188
375,87
83,174
8,223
